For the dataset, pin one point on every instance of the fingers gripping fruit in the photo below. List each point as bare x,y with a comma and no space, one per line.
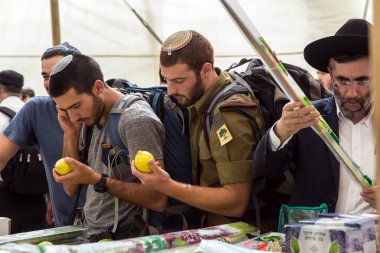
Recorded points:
142,161
62,167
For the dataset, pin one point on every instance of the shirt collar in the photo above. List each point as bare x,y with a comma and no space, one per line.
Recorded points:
11,99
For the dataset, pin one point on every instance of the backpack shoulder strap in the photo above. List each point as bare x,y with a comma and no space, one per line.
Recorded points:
157,103
239,85
116,141
86,133
113,122
7,111
153,95
210,110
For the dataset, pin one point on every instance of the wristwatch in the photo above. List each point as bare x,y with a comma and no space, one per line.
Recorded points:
101,186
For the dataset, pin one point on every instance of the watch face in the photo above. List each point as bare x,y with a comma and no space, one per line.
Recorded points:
101,186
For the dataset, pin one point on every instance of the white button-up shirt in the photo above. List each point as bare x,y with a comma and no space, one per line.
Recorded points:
359,141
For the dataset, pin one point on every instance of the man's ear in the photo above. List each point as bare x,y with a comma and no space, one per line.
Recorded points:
206,70
98,87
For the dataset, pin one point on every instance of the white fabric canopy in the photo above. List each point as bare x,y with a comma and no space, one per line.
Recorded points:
109,31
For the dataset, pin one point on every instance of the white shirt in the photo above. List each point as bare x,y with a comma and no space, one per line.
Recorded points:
14,103
359,141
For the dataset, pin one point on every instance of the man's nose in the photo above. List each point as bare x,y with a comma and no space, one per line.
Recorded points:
172,89
352,91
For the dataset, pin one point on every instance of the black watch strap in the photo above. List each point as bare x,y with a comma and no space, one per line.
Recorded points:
101,186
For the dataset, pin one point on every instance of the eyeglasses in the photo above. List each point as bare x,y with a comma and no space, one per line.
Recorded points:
345,83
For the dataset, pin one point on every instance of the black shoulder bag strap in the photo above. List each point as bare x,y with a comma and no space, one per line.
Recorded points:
7,111
88,134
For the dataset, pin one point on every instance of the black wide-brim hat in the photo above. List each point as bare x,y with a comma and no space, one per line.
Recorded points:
350,39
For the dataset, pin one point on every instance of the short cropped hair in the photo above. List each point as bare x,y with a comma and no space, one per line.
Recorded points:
74,71
116,82
11,81
27,92
63,49
195,53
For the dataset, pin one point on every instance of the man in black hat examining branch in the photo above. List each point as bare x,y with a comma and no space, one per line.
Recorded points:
319,176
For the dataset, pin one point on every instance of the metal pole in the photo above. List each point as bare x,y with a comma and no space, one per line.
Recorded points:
55,25
365,9
147,26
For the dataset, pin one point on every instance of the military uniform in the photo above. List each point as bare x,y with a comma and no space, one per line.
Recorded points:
232,141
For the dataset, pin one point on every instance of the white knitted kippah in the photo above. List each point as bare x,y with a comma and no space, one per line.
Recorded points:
62,64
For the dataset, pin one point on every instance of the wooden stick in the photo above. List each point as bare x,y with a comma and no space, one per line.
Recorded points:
55,25
290,87
375,77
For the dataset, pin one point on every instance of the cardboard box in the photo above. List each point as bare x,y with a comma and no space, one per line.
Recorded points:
366,224
304,238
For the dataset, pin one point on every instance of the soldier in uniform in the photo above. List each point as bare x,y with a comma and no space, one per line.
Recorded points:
222,166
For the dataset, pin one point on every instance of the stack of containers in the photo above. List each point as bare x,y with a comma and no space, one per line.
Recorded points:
332,233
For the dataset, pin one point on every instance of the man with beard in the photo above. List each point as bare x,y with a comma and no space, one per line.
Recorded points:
320,178
222,171
82,97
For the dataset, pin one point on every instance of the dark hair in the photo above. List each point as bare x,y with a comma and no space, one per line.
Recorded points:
116,82
74,71
162,78
27,92
11,81
196,53
63,49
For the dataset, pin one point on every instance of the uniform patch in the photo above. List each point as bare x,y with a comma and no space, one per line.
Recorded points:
224,135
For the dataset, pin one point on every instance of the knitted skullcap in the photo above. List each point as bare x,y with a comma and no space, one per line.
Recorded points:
62,64
176,41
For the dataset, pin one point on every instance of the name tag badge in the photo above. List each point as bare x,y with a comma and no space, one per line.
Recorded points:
224,135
